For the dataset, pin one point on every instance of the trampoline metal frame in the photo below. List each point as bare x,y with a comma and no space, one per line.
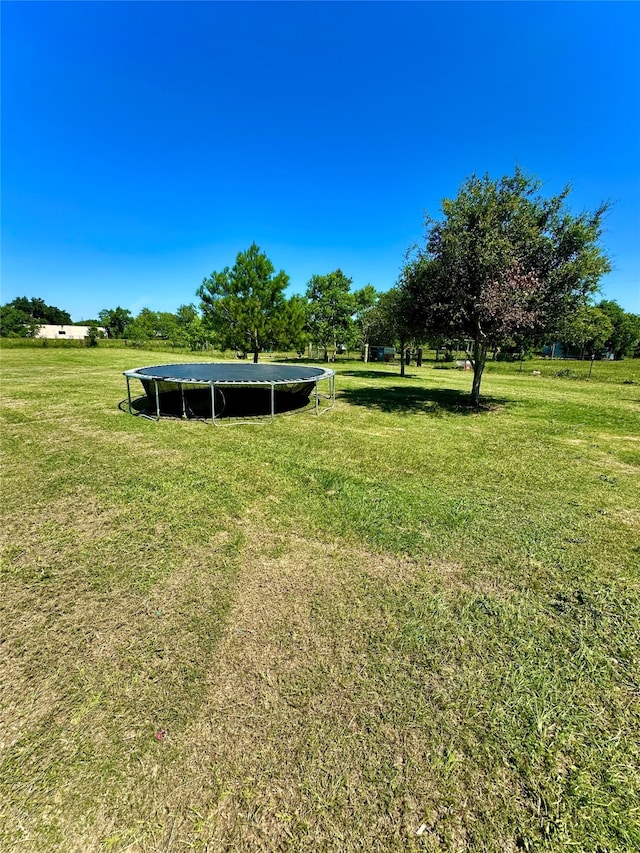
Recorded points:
214,383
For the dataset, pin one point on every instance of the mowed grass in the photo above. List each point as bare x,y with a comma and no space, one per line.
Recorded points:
405,625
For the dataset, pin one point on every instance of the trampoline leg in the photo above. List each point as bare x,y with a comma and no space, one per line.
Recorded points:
129,395
331,397
155,382
273,401
213,404
184,402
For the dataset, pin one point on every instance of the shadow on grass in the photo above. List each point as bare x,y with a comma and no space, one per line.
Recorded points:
412,398
234,402
373,374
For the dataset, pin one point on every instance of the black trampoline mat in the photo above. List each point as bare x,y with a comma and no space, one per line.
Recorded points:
231,372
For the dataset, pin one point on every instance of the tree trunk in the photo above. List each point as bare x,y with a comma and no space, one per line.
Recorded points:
401,358
479,359
326,354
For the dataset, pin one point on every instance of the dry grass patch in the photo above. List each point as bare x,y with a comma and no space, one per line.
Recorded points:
244,781
90,672
302,740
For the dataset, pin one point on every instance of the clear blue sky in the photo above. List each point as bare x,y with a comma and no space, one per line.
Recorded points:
145,144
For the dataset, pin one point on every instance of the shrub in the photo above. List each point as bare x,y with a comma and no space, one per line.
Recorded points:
92,336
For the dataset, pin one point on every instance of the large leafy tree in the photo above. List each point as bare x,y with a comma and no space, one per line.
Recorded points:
15,323
186,314
625,328
115,321
245,304
22,317
166,326
38,310
192,329
504,264
154,325
331,309
294,323
143,327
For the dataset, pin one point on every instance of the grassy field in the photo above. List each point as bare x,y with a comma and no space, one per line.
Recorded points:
404,626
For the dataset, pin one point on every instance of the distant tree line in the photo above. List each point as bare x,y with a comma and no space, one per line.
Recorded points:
243,308
601,330
502,272
241,311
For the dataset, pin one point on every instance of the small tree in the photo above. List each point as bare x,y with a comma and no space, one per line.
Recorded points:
245,305
503,264
331,308
398,312
92,335
365,301
587,330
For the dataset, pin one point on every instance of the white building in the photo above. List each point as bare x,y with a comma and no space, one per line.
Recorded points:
65,333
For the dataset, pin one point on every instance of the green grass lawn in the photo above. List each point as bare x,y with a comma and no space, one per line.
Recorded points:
405,625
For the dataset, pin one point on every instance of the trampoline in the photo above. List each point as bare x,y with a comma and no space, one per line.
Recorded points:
239,392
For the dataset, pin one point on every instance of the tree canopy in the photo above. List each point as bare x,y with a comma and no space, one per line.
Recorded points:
586,330
365,301
392,320
504,265
153,325
22,317
625,328
245,304
331,309
115,321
